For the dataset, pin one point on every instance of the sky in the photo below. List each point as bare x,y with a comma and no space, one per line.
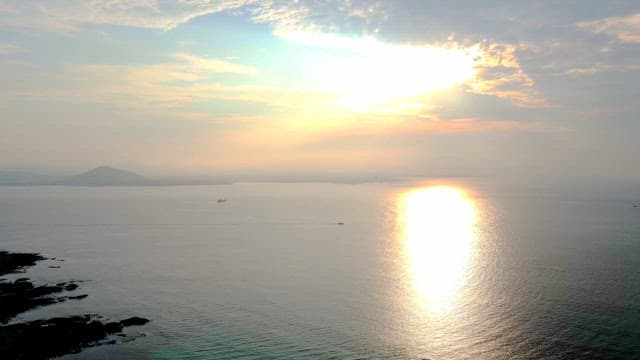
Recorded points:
536,90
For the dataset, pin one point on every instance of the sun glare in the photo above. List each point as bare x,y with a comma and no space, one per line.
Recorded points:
438,235
397,73
366,73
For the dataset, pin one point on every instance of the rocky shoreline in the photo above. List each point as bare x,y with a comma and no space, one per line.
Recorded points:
47,338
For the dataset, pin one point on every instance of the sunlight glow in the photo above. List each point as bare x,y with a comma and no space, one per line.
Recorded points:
367,73
438,234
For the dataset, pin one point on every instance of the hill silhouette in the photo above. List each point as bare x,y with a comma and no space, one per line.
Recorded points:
105,176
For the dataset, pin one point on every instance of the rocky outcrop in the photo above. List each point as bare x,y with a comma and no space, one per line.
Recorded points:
54,337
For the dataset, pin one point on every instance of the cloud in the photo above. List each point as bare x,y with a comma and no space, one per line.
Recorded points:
483,125
200,64
66,16
625,29
411,68
282,15
33,15
371,72
186,81
4,7
320,16
307,23
600,68
11,49
499,74
188,68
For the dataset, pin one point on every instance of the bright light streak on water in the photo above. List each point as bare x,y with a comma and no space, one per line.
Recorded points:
438,233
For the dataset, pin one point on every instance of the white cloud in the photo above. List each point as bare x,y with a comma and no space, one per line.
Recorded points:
499,73
207,65
287,16
625,28
65,15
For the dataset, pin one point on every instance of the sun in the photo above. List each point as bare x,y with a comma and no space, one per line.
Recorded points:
396,73
366,73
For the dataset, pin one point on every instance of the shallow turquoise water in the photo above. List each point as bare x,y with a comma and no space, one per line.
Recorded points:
271,274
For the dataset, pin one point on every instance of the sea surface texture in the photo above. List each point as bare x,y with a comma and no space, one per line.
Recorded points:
319,271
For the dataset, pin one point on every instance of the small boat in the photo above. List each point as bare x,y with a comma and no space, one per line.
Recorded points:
222,200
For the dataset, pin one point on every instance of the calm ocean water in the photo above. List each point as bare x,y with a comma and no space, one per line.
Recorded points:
414,272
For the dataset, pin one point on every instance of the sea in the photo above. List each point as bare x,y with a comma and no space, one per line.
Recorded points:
402,270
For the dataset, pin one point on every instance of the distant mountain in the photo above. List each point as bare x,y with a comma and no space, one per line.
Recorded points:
105,176
23,178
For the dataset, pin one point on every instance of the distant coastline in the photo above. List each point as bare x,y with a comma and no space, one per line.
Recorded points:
97,177
104,176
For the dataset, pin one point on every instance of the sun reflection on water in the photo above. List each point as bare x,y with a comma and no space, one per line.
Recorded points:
437,230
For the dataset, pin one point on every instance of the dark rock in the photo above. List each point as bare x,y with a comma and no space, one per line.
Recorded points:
113,327
134,321
16,262
52,337
21,295
55,337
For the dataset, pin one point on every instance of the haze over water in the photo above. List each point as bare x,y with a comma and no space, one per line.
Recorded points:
425,270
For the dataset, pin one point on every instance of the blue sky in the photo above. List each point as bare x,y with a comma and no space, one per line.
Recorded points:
542,89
